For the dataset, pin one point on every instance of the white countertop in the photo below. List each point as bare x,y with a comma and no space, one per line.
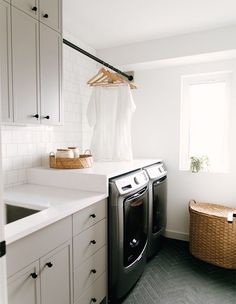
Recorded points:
60,193
89,179
55,203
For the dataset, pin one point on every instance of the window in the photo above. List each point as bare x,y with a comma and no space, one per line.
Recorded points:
204,120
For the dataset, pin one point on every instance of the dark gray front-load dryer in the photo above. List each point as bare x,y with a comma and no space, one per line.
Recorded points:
156,207
127,233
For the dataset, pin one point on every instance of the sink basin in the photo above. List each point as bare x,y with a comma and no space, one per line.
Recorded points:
15,213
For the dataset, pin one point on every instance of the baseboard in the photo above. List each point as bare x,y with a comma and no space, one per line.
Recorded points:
177,235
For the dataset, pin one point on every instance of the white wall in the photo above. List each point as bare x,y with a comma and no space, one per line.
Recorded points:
204,42
155,132
26,147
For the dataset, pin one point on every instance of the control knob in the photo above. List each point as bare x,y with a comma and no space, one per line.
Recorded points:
136,180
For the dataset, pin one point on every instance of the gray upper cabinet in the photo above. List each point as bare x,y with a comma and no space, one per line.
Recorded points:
50,75
50,13
30,7
8,1
31,61
23,287
5,61
25,67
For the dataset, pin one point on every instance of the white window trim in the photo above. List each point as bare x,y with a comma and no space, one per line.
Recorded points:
186,81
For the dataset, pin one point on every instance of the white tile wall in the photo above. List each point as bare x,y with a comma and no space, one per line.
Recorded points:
24,147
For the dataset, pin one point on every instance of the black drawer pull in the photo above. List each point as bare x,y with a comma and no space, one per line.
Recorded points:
94,271
93,242
93,300
34,275
36,116
49,264
45,16
34,8
46,117
93,215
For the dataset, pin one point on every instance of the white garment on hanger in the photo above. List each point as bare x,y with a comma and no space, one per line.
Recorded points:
109,113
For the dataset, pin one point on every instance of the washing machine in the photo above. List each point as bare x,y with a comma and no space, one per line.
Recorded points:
157,216
127,232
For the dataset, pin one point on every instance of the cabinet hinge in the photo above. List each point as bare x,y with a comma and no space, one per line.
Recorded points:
2,248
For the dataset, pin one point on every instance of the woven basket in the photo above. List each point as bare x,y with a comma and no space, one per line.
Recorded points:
212,238
84,161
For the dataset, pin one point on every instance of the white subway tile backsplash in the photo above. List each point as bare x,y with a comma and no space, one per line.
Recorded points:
24,147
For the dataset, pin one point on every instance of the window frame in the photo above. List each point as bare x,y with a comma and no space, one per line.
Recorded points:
186,82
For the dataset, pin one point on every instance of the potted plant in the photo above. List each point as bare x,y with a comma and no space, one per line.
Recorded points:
198,163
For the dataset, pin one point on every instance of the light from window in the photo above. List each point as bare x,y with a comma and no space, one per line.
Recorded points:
204,120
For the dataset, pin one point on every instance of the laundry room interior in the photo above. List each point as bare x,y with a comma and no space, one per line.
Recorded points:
118,152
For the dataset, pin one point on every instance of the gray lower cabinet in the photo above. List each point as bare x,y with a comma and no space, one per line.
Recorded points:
39,266
5,61
55,276
25,67
23,288
50,75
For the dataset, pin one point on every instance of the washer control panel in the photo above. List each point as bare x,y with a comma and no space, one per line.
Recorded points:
131,182
156,171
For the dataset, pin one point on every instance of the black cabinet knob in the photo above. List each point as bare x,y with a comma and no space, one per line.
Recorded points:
46,117
49,265
93,270
36,116
45,16
93,215
93,300
93,242
34,275
34,8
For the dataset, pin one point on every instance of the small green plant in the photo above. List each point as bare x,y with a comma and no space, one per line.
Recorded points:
198,163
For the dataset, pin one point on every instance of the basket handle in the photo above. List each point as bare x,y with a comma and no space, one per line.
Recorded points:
52,154
191,202
230,217
88,151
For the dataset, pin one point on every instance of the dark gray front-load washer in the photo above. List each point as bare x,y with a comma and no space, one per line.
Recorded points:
127,232
156,207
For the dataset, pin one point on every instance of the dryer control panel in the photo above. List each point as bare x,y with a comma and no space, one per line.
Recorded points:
156,171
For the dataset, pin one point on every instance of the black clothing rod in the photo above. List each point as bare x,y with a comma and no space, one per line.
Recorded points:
75,47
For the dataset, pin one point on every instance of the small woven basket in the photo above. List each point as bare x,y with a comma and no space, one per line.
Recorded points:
81,162
212,238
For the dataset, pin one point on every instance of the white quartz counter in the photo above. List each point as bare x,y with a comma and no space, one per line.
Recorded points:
55,203
90,179
60,193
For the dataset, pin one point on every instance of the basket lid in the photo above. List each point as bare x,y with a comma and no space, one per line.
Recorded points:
211,209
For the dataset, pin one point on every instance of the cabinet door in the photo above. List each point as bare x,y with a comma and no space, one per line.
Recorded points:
23,288
30,7
56,276
25,67
51,13
50,75
5,62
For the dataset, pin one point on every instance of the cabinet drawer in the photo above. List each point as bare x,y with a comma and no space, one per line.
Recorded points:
88,242
89,216
37,244
97,291
89,271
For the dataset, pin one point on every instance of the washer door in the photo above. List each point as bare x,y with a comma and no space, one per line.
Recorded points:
159,205
135,225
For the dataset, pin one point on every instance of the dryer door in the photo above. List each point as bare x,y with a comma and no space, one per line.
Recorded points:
135,225
159,205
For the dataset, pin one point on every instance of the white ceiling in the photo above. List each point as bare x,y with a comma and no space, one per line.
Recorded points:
106,23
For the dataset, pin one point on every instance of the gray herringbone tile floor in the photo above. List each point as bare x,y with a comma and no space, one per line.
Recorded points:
175,277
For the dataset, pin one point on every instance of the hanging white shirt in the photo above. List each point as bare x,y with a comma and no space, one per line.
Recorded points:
109,113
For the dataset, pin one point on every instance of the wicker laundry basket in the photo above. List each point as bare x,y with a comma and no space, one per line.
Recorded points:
212,237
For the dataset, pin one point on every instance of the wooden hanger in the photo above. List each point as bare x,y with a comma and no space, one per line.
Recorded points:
108,79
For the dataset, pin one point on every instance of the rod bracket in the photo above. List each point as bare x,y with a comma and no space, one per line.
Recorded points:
2,248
